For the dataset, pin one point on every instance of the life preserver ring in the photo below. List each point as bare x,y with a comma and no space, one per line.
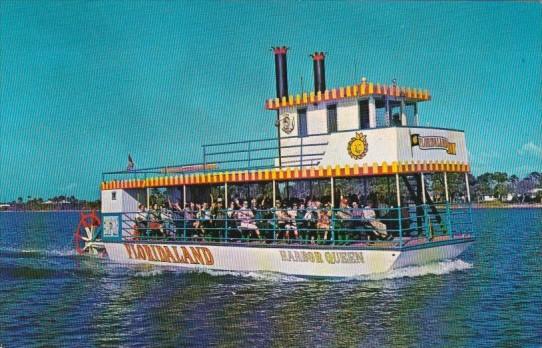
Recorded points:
90,219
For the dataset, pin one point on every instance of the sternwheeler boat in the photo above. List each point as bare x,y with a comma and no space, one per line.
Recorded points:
351,185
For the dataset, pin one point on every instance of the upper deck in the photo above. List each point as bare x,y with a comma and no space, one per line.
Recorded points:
361,130
386,151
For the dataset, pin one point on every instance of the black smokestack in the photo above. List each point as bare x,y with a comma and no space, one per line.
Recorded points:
319,71
281,71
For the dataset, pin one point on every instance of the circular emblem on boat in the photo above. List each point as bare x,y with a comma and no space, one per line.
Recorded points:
287,123
357,146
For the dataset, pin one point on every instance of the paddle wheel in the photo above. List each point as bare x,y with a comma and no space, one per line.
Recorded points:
86,236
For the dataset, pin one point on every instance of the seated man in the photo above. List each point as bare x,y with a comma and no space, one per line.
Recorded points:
205,220
141,221
219,217
281,219
310,218
357,220
344,223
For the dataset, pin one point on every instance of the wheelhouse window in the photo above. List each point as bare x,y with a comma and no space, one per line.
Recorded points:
381,114
395,113
331,118
364,114
114,196
302,117
410,112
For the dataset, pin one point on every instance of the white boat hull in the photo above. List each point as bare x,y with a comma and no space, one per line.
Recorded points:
287,259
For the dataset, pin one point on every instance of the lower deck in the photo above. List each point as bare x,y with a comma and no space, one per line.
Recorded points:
293,259
368,227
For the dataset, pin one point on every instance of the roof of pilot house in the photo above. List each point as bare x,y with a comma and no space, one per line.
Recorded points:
348,92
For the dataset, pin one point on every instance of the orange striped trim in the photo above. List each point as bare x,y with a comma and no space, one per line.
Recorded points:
290,174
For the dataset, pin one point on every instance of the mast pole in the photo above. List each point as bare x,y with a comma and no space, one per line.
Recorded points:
468,188
423,188
397,188
446,187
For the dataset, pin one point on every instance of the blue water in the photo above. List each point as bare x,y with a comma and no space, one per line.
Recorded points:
492,296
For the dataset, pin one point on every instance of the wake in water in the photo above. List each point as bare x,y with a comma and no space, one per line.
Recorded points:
437,268
37,252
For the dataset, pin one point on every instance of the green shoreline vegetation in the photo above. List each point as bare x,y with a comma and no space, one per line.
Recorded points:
57,203
489,190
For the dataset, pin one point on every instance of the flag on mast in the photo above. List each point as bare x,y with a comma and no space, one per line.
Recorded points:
131,164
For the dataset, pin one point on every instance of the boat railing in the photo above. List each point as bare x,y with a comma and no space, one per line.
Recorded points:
295,151
246,155
375,227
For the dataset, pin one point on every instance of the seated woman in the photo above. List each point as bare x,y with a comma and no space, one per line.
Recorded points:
357,220
291,225
323,223
378,228
155,222
246,220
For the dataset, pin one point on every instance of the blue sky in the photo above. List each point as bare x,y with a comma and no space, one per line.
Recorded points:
85,83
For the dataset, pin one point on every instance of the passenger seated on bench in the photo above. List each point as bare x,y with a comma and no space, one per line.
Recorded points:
291,224
357,219
301,222
190,221
378,227
311,217
282,218
344,223
141,221
246,219
323,221
219,217
233,232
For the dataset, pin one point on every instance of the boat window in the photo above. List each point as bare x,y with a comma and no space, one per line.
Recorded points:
302,114
331,118
395,112
364,114
381,119
114,196
410,112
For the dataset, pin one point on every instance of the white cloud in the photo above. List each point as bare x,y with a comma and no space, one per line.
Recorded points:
530,149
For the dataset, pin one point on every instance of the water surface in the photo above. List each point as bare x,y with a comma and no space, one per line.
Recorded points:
491,296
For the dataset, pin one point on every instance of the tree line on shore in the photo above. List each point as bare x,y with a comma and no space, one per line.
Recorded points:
55,203
496,186
507,188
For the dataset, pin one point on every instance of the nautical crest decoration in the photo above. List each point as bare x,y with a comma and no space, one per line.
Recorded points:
287,122
357,146
433,143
